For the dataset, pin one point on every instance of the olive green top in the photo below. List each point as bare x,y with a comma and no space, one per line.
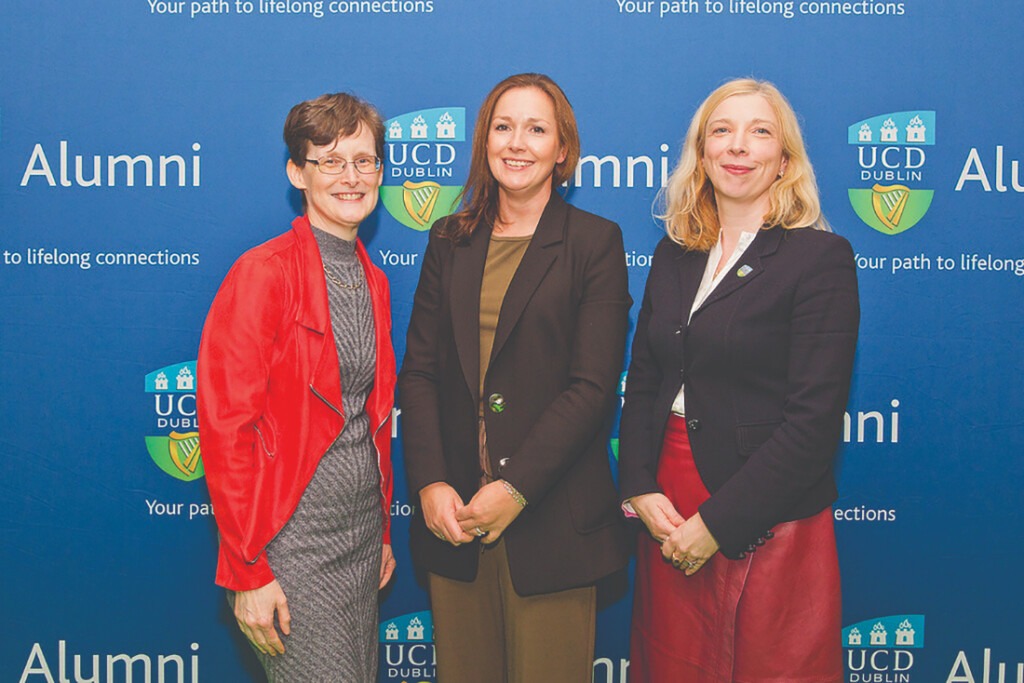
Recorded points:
503,257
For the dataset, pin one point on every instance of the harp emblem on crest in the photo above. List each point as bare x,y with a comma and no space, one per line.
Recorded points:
184,451
420,199
889,201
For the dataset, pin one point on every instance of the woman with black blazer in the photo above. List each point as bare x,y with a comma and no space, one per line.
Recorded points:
514,351
734,405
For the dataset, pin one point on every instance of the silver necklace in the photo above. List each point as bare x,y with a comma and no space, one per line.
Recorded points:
344,285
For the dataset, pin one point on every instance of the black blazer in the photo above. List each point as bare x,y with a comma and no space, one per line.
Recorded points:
766,362
556,360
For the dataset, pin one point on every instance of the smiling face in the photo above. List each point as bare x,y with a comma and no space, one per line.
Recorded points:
339,203
522,143
743,153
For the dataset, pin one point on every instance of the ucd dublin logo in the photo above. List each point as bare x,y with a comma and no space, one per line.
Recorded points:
891,156
883,646
176,449
407,648
422,154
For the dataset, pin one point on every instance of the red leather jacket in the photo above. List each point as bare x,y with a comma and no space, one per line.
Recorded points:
269,395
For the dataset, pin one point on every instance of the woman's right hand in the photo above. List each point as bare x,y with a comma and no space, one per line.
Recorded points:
254,611
657,513
439,502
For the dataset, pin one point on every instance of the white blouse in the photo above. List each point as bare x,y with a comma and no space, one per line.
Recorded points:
708,284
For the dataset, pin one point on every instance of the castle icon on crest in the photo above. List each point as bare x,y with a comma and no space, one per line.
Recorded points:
391,631
446,127
879,636
915,130
395,131
415,629
864,135
905,633
889,131
186,381
418,129
161,382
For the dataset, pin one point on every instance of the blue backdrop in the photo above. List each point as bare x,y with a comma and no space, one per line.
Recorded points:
141,153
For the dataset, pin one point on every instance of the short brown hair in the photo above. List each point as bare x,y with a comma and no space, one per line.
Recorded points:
480,195
323,120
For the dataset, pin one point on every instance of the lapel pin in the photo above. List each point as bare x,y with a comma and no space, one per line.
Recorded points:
743,271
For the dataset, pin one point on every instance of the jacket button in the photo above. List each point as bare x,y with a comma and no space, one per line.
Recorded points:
769,535
502,463
693,425
759,541
679,330
751,548
741,555
496,402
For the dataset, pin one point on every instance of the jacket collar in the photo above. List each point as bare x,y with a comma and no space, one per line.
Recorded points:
750,264
314,313
467,278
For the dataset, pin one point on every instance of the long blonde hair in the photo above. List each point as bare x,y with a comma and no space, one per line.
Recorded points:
690,212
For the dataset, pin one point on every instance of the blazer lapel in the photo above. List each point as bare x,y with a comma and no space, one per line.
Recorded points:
747,268
467,275
537,260
691,265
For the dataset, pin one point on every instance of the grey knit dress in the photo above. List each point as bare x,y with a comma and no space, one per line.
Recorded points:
327,557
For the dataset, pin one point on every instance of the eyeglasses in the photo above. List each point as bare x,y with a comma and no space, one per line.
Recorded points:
337,165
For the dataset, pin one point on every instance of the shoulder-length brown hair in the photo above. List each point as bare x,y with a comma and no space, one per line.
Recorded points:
479,196
690,213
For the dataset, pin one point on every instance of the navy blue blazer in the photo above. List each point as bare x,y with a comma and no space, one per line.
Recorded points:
766,361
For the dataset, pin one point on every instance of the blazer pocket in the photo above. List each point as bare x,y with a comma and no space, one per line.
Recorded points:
750,437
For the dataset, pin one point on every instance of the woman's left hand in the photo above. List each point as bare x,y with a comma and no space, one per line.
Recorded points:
690,545
387,565
489,513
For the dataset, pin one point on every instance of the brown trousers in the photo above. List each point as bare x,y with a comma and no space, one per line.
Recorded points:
485,633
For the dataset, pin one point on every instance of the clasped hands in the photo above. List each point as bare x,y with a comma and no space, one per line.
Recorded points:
486,516
686,543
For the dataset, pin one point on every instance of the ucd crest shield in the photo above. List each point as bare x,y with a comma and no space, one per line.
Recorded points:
891,209
424,160
891,153
175,446
177,454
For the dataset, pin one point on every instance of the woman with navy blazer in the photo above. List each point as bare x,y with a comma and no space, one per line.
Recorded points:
514,351
740,371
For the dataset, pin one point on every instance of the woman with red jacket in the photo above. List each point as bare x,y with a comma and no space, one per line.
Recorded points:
299,470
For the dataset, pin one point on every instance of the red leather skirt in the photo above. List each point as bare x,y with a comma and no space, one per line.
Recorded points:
772,617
